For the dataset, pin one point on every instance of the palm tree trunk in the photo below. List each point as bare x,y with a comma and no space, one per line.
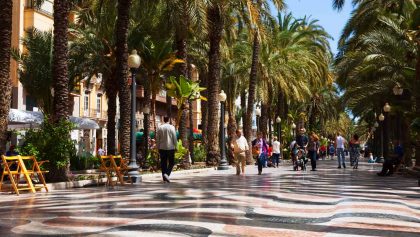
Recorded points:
60,79
264,118
243,107
203,83
60,55
153,110
215,28
5,82
121,34
111,93
251,92
191,130
231,129
146,117
181,33
417,86
270,127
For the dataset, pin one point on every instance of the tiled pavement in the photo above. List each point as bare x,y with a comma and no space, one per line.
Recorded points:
281,202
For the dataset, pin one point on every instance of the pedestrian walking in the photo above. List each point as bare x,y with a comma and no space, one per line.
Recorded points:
323,147
340,142
240,147
313,149
262,149
276,152
166,142
355,151
331,151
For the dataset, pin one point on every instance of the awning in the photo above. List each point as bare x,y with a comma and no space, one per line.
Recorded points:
21,119
139,135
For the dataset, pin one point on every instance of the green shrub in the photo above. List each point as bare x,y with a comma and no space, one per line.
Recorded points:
199,153
153,160
180,153
83,162
50,142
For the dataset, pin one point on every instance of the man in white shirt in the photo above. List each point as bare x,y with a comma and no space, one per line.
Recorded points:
340,143
240,146
276,152
166,142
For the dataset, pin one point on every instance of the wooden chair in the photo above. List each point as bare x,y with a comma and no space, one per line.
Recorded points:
117,165
14,174
36,171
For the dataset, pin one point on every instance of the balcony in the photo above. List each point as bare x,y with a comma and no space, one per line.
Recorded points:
46,8
95,114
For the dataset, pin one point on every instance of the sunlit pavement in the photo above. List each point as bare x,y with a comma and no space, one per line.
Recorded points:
280,202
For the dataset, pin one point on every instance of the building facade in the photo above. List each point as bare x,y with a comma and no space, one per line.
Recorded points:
88,98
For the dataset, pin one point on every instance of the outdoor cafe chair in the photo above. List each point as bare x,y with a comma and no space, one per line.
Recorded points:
114,164
14,174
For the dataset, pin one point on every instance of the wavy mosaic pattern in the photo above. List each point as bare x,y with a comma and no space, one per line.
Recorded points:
281,202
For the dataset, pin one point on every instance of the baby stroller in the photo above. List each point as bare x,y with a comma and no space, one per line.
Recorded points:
300,161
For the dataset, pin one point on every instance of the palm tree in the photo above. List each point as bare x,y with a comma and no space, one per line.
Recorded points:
5,83
215,23
121,73
60,74
376,56
257,13
35,65
182,15
93,51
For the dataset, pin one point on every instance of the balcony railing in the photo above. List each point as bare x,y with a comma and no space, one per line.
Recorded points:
47,6
95,114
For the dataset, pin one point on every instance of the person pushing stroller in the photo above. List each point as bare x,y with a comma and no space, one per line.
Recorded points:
298,158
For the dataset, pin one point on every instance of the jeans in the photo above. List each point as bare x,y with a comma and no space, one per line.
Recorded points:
261,161
165,156
276,159
312,155
341,157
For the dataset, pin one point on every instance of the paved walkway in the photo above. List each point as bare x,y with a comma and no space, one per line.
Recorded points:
328,202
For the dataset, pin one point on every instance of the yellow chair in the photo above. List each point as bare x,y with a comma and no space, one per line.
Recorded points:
117,165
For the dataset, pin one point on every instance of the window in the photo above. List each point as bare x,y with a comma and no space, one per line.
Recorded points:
98,103
30,103
98,106
47,6
86,105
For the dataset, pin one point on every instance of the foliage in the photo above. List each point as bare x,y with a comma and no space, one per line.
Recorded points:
51,142
183,90
153,160
28,150
180,152
83,162
199,153
35,67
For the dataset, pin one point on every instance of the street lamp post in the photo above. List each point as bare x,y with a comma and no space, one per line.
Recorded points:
382,118
258,114
387,109
133,63
278,121
223,162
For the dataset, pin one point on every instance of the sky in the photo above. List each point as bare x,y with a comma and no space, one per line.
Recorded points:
332,20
